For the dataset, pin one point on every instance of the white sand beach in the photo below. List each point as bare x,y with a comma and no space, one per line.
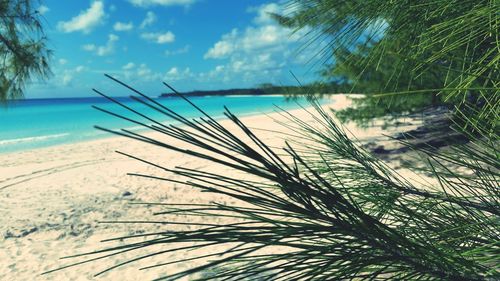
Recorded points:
51,200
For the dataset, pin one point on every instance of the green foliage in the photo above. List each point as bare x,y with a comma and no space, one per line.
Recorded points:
291,92
316,89
23,47
391,74
445,47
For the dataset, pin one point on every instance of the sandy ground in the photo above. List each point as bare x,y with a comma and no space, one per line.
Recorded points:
52,199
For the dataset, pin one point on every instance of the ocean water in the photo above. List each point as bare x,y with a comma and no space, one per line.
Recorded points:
35,123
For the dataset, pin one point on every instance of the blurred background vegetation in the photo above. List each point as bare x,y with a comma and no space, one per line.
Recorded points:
406,56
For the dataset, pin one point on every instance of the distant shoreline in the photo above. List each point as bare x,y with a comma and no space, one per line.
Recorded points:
269,90
289,91
228,92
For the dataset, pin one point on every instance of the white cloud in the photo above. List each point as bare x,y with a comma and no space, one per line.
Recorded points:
173,71
43,9
219,68
180,51
148,20
122,26
224,47
159,37
67,78
62,61
217,72
128,66
148,3
174,74
86,20
146,74
256,53
269,37
103,50
80,68
89,47
141,73
264,11
266,36
219,50
109,48
144,71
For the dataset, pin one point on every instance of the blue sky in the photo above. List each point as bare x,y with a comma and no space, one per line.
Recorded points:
191,44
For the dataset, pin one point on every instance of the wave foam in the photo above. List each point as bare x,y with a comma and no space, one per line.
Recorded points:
32,139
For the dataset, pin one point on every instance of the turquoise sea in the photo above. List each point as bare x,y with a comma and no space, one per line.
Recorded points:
35,123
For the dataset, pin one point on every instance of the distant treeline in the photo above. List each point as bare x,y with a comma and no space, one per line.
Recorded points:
270,89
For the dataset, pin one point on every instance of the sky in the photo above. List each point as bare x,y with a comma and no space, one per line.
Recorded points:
190,44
